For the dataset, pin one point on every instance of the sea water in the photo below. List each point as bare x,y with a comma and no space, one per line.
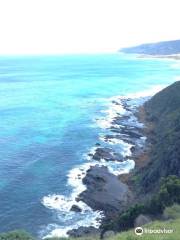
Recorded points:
53,109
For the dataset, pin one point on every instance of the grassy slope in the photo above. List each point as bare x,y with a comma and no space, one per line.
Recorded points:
130,235
171,224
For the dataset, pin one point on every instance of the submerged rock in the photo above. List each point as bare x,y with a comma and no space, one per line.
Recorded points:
75,208
97,144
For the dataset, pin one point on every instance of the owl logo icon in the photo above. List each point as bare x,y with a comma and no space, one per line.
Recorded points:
138,231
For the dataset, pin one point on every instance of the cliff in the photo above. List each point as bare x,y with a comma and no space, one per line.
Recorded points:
160,48
163,112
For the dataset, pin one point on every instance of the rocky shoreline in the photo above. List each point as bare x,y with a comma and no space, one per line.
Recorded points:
104,190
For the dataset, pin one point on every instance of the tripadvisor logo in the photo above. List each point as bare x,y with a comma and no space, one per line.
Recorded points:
138,231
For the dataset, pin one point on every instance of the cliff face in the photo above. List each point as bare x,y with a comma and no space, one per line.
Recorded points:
160,48
163,110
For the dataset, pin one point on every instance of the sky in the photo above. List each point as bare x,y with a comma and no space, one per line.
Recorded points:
84,26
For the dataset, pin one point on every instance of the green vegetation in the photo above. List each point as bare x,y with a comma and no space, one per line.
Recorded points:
171,224
168,194
163,110
164,102
16,235
172,212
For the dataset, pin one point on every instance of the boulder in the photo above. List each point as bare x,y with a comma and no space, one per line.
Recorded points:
141,220
83,232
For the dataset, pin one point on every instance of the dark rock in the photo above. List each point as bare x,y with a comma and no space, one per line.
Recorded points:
75,208
84,232
115,102
107,154
126,139
118,120
132,133
133,149
90,154
105,191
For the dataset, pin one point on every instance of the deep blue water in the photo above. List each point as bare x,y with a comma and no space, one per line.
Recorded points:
47,109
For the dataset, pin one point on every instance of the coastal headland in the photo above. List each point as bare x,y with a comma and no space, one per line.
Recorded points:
153,135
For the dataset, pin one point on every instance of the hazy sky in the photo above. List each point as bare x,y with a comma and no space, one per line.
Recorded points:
80,26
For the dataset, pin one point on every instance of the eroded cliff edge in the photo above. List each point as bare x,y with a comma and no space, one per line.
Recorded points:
161,115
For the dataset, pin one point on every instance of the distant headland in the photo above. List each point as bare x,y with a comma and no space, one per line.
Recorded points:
160,48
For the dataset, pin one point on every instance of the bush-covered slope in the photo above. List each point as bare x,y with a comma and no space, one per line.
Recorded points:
160,48
171,224
164,102
163,110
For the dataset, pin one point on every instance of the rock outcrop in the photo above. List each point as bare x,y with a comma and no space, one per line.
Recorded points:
105,191
141,220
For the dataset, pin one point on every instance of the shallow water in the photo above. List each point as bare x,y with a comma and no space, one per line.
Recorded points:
48,111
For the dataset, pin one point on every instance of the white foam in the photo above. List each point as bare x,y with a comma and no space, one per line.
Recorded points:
85,220
133,121
118,168
175,65
111,113
146,93
58,202
115,106
57,232
126,152
104,123
177,78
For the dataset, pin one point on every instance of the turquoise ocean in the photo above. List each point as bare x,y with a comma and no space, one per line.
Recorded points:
53,110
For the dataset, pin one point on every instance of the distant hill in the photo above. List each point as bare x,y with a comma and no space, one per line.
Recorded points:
160,48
